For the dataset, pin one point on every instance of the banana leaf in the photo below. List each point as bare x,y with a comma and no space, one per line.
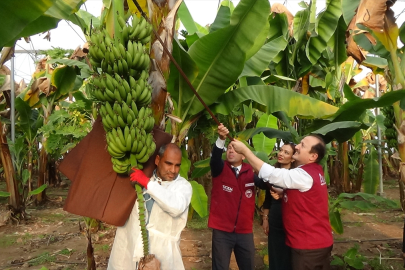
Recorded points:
268,132
176,84
220,56
185,164
63,78
262,143
222,19
199,199
84,20
261,60
341,131
349,9
351,110
27,119
270,99
336,221
198,172
22,18
327,25
187,20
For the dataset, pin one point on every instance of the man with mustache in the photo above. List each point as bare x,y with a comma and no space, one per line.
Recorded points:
305,208
232,207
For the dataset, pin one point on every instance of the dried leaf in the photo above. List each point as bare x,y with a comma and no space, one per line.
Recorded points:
6,55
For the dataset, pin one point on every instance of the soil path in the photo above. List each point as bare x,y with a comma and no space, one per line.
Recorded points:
52,238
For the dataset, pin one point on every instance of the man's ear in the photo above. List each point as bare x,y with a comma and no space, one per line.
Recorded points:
157,160
243,157
313,157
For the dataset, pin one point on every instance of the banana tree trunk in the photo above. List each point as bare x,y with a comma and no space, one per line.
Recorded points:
30,168
42,175
11,181
162,15
344,159
359,177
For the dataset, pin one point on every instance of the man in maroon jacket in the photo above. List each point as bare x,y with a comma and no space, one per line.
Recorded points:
305,206
232,207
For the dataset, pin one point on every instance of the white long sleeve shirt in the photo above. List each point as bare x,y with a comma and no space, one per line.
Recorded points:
295,178
167,219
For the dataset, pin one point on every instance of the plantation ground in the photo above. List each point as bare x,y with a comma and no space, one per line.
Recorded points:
52,238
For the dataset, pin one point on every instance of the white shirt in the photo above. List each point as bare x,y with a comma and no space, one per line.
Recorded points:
295,178
221,145
167,219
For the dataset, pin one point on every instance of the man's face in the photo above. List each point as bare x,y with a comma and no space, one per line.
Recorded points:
302,153
168,166
232,157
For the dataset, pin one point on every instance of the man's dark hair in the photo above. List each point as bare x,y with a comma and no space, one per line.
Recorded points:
318,148
163,148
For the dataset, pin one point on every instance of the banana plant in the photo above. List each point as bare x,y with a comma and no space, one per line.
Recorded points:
375,30
27,18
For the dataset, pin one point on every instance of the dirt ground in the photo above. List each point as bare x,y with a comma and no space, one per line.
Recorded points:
52,238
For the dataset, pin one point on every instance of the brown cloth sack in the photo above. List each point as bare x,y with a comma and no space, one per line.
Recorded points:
150,262
97,191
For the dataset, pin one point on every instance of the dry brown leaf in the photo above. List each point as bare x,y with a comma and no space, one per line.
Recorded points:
4,70
6,55
78,54
160,61
370,93
371,14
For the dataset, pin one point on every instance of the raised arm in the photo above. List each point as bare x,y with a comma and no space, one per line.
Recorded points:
216,162
173,201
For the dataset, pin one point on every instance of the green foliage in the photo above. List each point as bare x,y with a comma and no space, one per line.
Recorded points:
56,53
270,99
199,199
185,164
23,19
65,128
351,258
262,143
371,174
364,201
38,190
220,55
4,194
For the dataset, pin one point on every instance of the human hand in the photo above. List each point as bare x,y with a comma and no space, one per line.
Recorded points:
265,225
275,195
239,146
222,131
139,177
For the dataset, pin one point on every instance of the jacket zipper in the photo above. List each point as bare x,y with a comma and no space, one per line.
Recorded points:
237,213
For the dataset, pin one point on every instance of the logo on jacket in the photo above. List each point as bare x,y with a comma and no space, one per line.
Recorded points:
248,193
285,197
322,179
227,189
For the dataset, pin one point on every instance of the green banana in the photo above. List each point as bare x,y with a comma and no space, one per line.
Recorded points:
117,95
121,122
128,142
141,153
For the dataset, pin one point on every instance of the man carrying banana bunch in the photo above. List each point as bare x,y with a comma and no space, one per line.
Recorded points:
167,198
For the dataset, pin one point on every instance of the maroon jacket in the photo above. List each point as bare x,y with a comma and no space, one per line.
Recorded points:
232,199
305,214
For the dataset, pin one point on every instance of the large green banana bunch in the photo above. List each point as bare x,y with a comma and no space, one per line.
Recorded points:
390,132
120,84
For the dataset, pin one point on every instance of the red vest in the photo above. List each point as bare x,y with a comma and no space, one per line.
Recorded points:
306,215
233,200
